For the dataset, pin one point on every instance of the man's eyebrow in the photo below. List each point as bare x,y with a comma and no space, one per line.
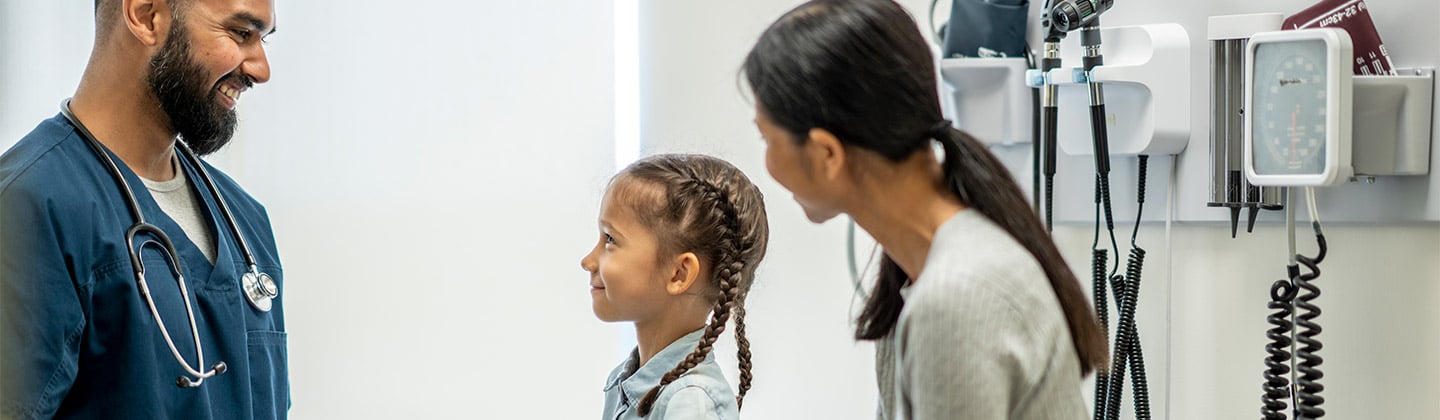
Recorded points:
252,20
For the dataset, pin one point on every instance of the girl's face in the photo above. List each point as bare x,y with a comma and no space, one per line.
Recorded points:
626,280
792,164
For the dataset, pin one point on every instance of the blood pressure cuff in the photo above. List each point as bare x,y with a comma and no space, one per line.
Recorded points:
1354,17
986,28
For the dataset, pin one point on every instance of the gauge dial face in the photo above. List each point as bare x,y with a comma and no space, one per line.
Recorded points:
1289,111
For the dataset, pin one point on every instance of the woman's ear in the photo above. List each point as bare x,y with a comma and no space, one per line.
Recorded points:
825,154
687,271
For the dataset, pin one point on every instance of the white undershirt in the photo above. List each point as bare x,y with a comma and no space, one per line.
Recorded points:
178,200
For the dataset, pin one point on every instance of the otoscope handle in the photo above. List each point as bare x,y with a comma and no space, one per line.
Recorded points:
1100,136
1049,114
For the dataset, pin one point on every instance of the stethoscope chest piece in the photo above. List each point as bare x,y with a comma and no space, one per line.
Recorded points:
260,289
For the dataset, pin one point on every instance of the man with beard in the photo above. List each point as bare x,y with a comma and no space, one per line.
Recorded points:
110,291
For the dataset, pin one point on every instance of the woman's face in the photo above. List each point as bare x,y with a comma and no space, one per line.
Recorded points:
793,164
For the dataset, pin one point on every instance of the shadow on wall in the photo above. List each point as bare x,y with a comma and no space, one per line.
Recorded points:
6,39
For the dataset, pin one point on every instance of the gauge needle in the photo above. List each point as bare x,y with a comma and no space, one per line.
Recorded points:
1294,136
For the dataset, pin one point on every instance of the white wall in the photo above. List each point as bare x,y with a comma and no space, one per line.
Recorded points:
433,173
432,170
1203,303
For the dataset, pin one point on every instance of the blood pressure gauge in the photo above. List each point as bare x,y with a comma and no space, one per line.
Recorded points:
1298,108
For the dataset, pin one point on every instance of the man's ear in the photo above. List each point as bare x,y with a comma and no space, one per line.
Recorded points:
826,154
687,271
148,20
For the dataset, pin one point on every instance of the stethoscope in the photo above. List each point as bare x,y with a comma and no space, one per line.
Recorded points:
259,288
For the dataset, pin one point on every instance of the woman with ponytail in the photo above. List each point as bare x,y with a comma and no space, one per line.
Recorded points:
680,238
974,314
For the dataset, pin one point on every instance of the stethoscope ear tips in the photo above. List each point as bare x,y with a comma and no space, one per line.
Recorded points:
186,382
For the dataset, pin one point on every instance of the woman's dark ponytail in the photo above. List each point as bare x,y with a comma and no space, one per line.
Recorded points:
882,309
985,185
861,70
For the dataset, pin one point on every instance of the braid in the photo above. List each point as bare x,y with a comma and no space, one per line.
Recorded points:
729,272
738,289
743,344
720,315
707,206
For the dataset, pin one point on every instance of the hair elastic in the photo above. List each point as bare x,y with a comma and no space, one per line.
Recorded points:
939,130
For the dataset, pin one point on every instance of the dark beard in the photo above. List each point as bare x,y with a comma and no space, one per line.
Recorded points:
178,82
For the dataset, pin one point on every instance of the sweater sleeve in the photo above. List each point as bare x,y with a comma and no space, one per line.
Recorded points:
962,351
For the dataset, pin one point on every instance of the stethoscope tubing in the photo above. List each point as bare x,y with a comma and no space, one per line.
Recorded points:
155,312
166,246
134,204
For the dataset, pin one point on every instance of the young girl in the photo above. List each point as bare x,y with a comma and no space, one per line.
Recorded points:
680,237
975,314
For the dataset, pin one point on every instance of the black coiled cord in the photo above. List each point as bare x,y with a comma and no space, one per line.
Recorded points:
1308,396
1277,364
1121,354
1286,299
1128,352
1098,262
1140,386
1109,386
1133,267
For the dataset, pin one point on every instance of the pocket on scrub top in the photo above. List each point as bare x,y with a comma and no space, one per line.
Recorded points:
269,373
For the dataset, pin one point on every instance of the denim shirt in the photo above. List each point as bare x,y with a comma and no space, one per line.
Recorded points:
701,393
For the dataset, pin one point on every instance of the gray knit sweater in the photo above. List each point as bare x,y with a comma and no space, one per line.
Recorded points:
981,335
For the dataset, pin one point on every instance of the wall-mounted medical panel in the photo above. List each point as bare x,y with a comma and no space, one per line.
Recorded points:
1392,123
1158,96
1145,77
989,98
